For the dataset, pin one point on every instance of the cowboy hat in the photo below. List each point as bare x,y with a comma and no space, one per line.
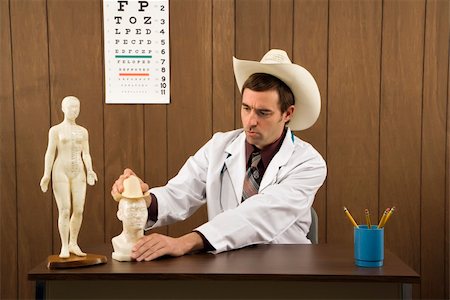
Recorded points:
132,188
302,84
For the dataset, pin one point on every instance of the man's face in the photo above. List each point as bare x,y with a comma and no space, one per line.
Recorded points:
261,117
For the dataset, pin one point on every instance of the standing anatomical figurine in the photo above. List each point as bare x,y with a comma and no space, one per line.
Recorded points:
71,144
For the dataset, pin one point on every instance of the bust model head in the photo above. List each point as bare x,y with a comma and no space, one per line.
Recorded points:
132,211
133,214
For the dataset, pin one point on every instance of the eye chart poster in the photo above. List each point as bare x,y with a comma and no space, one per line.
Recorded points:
136,48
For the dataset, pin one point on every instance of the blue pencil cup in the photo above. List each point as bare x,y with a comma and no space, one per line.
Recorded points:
369,246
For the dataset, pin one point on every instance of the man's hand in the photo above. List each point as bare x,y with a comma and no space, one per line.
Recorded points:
117,188
156,245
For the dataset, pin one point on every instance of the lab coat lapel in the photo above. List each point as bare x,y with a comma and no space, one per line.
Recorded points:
280,159
235,163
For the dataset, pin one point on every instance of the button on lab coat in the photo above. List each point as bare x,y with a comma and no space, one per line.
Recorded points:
279,213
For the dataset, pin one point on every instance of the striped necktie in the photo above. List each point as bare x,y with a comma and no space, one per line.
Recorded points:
252,178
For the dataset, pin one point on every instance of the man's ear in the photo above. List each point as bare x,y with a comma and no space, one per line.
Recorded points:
289,113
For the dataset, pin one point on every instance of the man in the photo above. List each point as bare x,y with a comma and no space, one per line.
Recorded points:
259,181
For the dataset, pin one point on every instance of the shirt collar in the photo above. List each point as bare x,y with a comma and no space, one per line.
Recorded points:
268,152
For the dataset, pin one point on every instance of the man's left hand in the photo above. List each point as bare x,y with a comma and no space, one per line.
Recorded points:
156,245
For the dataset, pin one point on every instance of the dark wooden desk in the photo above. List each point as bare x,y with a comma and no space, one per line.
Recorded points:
266,271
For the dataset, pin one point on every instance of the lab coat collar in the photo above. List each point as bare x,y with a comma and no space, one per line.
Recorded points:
280,159
235,163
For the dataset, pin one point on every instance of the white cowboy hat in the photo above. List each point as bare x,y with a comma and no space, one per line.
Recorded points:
302,84
132,188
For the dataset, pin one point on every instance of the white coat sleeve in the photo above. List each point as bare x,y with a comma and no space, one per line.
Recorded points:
184,193
265,216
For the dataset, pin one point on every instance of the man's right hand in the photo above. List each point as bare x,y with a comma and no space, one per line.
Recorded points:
117,188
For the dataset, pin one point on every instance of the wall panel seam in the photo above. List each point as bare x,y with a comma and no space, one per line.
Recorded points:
15,143
421,137
234,46
269,17
447,172
49,100
293,28
380,106
103,119
326,117
212,67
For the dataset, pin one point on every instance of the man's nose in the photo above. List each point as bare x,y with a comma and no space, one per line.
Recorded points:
252,119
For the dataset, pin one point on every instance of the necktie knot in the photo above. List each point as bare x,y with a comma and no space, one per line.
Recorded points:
256,157
252,178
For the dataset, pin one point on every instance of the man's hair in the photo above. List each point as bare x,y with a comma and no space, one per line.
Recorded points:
261,82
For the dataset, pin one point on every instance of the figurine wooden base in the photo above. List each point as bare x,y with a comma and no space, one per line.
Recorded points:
74,261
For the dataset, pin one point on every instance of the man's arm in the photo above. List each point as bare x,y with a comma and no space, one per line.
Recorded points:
156,245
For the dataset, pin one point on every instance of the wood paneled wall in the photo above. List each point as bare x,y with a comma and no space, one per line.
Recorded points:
381,66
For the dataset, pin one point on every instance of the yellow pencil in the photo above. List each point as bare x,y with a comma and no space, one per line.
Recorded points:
389,214
383,218
350,217
366,212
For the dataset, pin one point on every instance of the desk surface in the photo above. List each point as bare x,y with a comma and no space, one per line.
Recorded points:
322,262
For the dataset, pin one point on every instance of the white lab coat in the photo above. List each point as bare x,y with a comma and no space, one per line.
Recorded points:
279,213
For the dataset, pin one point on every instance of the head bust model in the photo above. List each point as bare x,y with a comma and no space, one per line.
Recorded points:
132,211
